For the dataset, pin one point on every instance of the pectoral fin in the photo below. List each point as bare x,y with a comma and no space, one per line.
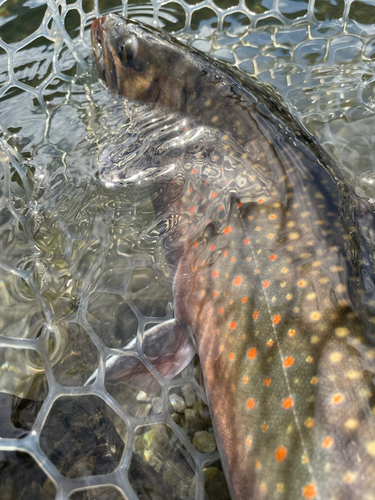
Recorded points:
166,347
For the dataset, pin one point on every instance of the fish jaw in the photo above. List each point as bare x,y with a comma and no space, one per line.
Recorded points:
102,56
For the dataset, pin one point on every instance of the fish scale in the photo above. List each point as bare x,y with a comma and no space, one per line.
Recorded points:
254,230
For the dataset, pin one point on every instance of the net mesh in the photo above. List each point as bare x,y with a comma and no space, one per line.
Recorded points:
78,282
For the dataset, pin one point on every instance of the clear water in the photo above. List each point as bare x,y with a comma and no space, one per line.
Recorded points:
82,273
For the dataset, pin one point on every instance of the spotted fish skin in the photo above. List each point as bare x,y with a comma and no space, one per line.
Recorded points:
265,291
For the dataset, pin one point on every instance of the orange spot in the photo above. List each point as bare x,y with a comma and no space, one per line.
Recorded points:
257,228
213,195
270,343
257,464
327,442
281,453
276,319
237,281
288,362
221,208
194,171
314,380
291,333
221,310
231,356
215,274
246,241
252,353
337,398
212,247
214,293
192,209
264,427
250,403
239,204
272,257
195,244
270,236
218,331
225,253
232,259
227,230
244,300
249,441
245,380
309,423
266,284
272,216
233,325
251,217
309,491
232,388
287,403
255,314
260,200
267,382
302,283
221,348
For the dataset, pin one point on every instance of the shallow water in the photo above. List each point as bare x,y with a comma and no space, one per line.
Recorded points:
82,272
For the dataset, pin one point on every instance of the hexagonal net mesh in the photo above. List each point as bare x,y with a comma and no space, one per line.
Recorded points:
82,278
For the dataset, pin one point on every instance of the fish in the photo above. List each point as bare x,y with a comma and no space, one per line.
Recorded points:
272,274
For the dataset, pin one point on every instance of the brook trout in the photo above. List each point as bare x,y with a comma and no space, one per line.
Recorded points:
268,285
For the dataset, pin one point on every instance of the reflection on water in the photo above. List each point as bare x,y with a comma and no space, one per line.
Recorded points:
83,272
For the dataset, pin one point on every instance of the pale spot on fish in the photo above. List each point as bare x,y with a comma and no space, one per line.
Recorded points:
336,269
294,236
351,423
353,374
336,357
341,332
370,447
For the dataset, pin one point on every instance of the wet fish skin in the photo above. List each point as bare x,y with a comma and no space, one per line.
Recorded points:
266,293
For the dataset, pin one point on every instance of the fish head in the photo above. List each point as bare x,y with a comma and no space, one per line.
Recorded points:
139,63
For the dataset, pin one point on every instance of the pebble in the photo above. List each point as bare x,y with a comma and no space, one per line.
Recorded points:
177,402
204,442
192,422
189,394
157,406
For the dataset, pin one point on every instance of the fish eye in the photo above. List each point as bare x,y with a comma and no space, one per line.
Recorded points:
128,50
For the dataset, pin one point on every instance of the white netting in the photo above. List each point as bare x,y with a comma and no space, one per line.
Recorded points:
78,282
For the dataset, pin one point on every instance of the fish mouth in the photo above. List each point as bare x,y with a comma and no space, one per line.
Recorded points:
101,30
